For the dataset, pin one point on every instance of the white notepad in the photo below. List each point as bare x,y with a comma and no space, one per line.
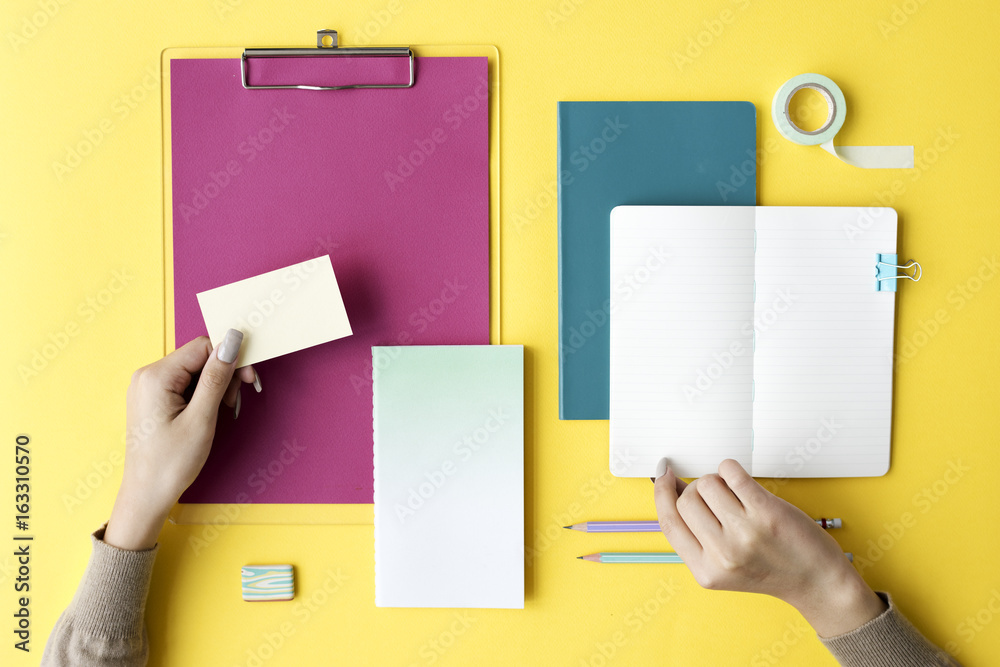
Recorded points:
752,333
449,476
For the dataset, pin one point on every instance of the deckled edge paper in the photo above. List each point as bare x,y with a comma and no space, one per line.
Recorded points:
449,476
279,312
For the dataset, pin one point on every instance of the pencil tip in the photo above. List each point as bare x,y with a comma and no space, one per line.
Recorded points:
579,557
567,526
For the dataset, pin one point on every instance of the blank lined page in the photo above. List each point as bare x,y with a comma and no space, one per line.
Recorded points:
681,337
823,358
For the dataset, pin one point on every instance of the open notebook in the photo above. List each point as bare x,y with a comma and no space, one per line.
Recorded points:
752,333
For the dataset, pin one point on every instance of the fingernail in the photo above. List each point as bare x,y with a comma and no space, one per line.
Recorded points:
661,469
230,346
256,381
236,410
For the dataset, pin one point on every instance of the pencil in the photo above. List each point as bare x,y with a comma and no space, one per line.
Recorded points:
633,557
616,526
654,526
648,557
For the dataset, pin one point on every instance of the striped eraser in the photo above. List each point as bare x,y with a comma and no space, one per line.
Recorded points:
267,582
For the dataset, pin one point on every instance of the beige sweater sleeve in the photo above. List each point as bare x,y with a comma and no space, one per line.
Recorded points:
103,625
888,640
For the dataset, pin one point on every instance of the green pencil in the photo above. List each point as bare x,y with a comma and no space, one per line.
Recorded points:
633,557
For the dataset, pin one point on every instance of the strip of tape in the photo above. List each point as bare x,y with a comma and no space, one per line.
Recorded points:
866,157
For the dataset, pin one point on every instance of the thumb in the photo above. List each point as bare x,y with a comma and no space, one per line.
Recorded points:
215,378
666,490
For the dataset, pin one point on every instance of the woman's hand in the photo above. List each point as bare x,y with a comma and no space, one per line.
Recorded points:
169,432
734,535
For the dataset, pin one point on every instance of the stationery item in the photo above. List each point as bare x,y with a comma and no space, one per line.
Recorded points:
760,337
280,311
449,476
612,153
394,184
267,582
654,526
616,527
888,273
357,67
647,557
633,557
867,157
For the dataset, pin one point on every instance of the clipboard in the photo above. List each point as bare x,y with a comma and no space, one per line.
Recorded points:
255,75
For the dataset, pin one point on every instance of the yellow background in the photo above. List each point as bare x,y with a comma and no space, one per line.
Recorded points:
913,72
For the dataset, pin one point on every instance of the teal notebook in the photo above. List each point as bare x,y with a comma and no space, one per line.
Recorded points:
632,153
449,476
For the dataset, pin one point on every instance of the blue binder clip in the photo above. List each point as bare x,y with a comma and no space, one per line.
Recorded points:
886,273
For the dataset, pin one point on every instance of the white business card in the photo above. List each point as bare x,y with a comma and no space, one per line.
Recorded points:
279,312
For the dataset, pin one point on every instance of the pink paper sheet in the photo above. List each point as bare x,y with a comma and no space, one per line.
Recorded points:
393,185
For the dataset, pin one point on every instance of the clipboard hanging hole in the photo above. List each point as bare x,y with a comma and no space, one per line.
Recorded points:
326,39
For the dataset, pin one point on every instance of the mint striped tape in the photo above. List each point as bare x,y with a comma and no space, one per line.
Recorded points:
866,157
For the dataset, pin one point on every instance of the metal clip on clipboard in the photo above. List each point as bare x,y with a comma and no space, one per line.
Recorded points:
886,274
331,49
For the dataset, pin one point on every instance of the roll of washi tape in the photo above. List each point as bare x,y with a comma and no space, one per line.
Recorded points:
867,157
